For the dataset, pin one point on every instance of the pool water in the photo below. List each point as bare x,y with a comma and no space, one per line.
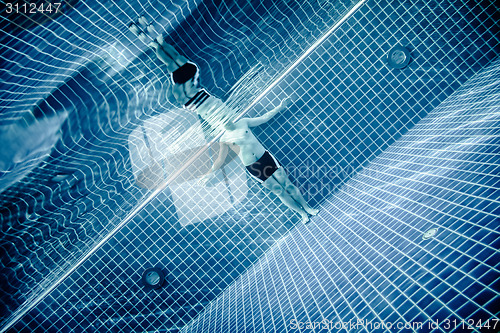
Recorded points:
95,88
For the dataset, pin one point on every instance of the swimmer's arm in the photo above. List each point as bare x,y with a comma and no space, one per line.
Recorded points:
252,122
224,149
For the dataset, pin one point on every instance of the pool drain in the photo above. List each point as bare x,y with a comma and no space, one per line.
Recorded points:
153,278
398,57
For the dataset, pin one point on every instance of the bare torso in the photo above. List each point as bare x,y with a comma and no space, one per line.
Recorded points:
242,141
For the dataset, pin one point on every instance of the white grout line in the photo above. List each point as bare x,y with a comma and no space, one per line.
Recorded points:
137,209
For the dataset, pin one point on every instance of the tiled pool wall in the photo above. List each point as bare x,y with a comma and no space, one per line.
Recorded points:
409,244
87,71
348,106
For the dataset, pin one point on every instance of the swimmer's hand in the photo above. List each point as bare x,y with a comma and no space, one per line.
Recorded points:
283,105
285,102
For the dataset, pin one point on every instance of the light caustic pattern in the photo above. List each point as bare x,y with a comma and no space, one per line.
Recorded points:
369,263
121,122
77,87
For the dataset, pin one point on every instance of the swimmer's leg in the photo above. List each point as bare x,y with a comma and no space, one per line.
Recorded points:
167,54
274,186
293,190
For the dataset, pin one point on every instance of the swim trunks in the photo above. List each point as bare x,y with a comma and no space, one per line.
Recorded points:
185,73
197,100
263,168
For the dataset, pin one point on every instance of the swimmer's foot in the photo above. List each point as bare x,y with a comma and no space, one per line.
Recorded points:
312,211
154,44
305,218
152,31
134,28
160,39
143,38
137,31
142,21
143,30
147,26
